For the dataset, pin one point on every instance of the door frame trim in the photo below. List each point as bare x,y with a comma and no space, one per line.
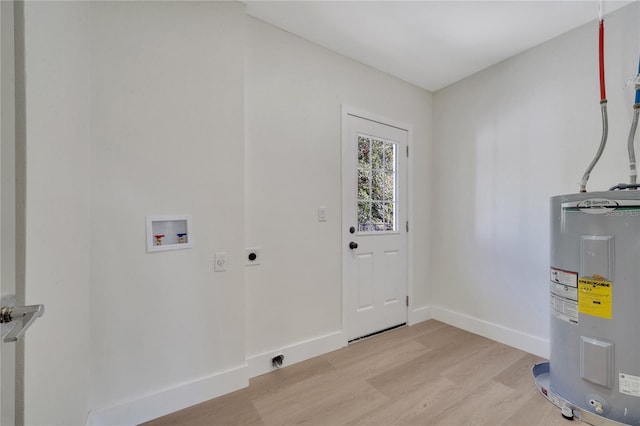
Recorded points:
348,110
10,354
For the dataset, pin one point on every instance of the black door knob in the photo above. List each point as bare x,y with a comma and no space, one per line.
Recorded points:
353,245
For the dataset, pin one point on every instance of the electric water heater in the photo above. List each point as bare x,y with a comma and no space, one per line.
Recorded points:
594,368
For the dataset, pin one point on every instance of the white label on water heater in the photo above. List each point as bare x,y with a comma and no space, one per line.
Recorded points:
565,291
564,309
629,385
564,295
563,277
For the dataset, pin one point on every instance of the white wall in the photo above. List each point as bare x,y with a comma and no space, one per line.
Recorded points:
167,120
505,140
132,109
57,346
137,108
294,93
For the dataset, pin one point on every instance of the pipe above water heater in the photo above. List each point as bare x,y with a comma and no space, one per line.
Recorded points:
603,100
633,173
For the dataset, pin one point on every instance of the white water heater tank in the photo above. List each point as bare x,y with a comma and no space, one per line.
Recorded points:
595,303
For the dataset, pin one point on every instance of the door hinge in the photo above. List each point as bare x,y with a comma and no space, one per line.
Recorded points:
407,150
407,226
407,300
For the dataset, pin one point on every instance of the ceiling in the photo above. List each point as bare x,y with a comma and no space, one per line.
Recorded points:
429,43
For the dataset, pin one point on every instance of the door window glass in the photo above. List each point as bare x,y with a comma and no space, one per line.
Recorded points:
377,189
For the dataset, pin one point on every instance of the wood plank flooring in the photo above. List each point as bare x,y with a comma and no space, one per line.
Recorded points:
426,374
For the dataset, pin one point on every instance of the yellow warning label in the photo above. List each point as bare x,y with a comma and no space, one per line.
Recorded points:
594,297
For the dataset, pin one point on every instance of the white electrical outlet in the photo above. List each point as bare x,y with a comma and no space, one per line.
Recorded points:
252,256
220,262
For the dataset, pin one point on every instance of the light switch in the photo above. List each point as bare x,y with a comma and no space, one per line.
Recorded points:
322,214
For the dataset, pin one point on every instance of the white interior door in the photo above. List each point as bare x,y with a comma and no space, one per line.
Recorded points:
374,193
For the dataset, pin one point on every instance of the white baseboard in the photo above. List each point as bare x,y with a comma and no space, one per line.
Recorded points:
508,336
297,352
136,411
420,314
139,410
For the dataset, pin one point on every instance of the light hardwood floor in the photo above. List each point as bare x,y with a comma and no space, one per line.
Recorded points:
426,374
